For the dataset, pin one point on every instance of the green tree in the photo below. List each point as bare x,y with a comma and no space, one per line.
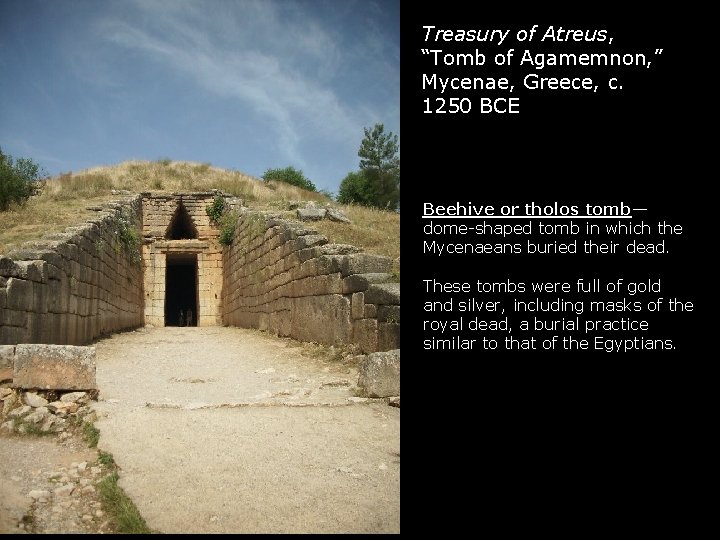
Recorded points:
289,175
19,180
377,183
379,151
355,189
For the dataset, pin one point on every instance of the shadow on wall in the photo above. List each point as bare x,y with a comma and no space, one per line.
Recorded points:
71,287
283,277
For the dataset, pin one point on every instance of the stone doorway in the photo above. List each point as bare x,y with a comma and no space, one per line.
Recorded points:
182,260
181,290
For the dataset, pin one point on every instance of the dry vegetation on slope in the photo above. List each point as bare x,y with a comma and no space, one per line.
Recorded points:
64,200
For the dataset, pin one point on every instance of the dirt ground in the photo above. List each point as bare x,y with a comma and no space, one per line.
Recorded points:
216,430
231,430
39,466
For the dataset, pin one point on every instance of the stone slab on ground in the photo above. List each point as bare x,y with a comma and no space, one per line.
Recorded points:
311,214
58,367
380,374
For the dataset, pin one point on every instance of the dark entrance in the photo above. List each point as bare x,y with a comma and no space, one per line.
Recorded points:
181,290
181,225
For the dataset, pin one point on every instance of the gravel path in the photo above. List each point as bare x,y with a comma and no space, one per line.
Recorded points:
47,486
231,430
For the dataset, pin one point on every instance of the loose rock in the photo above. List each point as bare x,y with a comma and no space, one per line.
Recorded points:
64,491
333,214
63,408
34,400
20,412
9,403
74,397
39,494
380,374
311,214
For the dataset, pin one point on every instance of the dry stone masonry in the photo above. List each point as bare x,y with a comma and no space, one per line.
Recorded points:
180,239
285,278
156,259
42,411
72,287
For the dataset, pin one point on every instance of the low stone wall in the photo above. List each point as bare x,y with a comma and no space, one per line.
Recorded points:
72,287
285,278
50,367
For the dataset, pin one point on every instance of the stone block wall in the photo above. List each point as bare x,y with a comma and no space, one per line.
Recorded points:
72,287
158,213
285,278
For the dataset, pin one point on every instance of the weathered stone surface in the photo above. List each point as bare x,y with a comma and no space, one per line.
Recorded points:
50,424
62,409
38,415
365,334
283,278
333,214
20,411
325,319
360,282
357,305
19,294
383,293
339,249
9,403
5,392
74,397
8,268
388,336
388,314
363,263
32,399
310,240
7,353
311,214
32,271
60,367
380,374
64,491
394,402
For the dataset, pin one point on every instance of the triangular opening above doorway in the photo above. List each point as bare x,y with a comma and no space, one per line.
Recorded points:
181,225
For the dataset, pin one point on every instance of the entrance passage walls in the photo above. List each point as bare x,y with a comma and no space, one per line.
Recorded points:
277,275
71,287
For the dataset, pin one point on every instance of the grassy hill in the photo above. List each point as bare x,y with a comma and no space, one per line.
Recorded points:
64,199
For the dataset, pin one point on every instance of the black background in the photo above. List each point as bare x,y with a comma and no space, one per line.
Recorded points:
543,437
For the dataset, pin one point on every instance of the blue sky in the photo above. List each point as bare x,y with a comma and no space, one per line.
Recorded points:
241,84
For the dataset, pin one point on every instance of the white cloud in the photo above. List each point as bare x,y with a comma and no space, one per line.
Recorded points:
278,62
